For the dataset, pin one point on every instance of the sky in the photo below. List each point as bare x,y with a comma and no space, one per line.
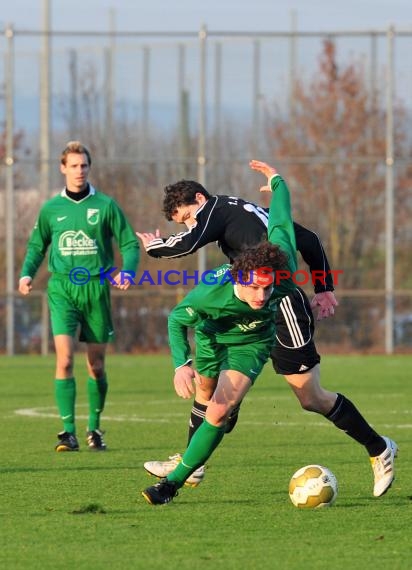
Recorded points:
189,16
218,15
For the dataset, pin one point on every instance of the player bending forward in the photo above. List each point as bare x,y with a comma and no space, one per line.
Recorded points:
234,328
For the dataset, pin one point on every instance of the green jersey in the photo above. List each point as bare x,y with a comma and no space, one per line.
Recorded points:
80,234
214,308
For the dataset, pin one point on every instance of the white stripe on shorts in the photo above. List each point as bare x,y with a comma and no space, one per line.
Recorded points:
291,322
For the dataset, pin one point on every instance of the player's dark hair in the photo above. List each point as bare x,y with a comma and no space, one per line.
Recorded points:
263,255
75,147
181,193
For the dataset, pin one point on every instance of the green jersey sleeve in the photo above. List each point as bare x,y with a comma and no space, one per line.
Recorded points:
280,226
184,316
126,239
37,245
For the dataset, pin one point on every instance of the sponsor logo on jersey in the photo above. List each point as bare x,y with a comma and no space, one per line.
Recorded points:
61,218
93,216
246,325
77,243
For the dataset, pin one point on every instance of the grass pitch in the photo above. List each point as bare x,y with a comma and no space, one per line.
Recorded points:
84,510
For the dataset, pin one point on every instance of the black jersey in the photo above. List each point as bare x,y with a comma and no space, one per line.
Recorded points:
235,224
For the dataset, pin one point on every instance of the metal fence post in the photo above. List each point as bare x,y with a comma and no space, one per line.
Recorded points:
45,104
257,100
201,148
44,324
389,199
9,161
74,90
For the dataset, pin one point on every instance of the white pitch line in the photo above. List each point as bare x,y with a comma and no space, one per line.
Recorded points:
41,413
36,413
310,423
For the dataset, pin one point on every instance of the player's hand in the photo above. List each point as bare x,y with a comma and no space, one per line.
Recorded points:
122,281
264,169
184,381
25,285
147,237
325,304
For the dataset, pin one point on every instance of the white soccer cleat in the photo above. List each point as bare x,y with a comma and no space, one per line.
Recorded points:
383,467
161,469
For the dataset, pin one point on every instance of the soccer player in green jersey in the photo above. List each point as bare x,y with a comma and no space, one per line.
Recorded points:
216,381
234,322
233,224
78,227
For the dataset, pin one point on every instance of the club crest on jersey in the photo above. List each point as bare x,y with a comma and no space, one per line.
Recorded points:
93,216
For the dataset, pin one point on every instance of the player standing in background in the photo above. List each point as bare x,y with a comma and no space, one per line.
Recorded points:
79,225
234,223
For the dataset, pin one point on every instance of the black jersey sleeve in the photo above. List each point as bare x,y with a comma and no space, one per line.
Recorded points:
207,230
311,249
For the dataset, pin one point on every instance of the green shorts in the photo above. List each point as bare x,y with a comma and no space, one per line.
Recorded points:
86,306
212,357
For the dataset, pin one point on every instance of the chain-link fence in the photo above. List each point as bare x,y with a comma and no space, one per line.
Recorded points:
157,107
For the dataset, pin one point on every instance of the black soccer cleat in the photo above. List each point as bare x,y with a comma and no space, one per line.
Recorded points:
67,442
95,440
161,493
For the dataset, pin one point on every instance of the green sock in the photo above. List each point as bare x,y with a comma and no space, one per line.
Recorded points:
96,391
65,392
200,448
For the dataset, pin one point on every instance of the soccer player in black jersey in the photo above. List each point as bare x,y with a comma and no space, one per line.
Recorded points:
234,224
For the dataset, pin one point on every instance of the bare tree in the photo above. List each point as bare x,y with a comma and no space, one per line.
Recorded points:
334,150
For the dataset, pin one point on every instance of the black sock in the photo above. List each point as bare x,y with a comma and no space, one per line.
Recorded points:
196,419
347,417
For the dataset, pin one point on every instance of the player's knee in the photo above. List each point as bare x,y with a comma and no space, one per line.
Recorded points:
97,369
203,396
307,402
65,366
217,416
318,402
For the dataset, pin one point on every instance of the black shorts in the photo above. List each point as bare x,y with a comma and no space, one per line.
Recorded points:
294,351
